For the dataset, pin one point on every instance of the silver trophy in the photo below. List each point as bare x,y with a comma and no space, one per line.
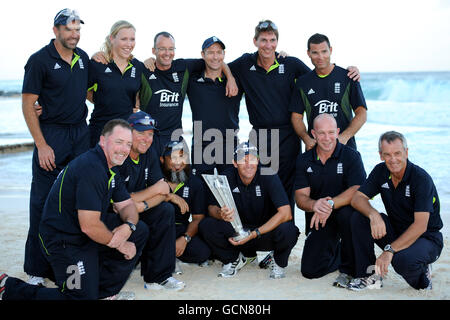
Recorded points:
221,189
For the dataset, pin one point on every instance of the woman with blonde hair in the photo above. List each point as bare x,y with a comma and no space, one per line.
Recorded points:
114,87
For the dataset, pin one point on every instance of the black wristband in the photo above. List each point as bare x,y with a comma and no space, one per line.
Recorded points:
258,234
146,205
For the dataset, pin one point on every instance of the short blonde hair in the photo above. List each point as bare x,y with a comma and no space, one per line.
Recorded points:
116,27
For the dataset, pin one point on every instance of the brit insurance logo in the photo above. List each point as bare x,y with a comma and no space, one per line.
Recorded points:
168,98
326,106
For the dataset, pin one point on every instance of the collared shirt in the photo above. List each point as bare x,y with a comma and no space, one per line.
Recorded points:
268,93
335,94
341,171
415,193
61,86
86,183
257,202
163,92
211,106
143,172
194,194
114,92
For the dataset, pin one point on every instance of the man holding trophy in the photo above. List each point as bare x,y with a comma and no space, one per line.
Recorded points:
248,212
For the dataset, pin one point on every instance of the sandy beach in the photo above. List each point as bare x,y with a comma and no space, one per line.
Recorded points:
202,283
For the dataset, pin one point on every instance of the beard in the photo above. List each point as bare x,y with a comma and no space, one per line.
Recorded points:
177,177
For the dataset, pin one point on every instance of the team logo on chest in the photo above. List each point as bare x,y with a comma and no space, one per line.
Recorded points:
108,70
337,87
281,69
80,62
258,191
133,72
385,185
57,66
340,169
175,77
186,192
146,174
407,192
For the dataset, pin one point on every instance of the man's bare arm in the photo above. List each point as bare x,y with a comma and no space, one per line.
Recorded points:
45,152
354,126
300,130
93,227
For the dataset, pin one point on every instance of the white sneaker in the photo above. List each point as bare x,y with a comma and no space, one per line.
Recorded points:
373,281
230,269
3,278
276,272
36,281
169,284
178,269
123,295
429,273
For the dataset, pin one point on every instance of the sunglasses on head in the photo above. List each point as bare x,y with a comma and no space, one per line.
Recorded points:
145,121
266,24
71,15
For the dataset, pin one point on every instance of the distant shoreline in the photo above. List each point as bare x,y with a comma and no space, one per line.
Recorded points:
18,147
9,94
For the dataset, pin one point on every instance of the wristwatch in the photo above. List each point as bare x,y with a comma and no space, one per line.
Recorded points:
331,202
388,248
187,237
132,226
146,205
258,233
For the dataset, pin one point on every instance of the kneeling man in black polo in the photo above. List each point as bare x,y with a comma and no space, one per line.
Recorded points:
327,176
263,207
409,233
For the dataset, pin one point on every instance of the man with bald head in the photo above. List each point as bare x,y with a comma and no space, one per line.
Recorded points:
326,178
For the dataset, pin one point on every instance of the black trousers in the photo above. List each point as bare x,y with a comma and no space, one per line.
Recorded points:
84,271
281,240
158,257
67,143
411,263
329,248
197,251
285,153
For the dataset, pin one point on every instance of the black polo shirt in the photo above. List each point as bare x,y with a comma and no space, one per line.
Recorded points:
142,173
114,92
163,92
268,93
341,171
86,183
61,87
194,194
257,202
335,94
210,105
415,193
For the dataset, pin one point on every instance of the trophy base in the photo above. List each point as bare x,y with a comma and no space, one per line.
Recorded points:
241,235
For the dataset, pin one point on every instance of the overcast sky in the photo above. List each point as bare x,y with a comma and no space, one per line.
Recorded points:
376,36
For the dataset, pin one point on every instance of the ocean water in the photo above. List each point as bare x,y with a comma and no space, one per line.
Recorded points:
415,104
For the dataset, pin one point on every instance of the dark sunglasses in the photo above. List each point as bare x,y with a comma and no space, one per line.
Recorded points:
145,121
266,24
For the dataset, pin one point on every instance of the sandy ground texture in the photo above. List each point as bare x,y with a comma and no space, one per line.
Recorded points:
251,283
